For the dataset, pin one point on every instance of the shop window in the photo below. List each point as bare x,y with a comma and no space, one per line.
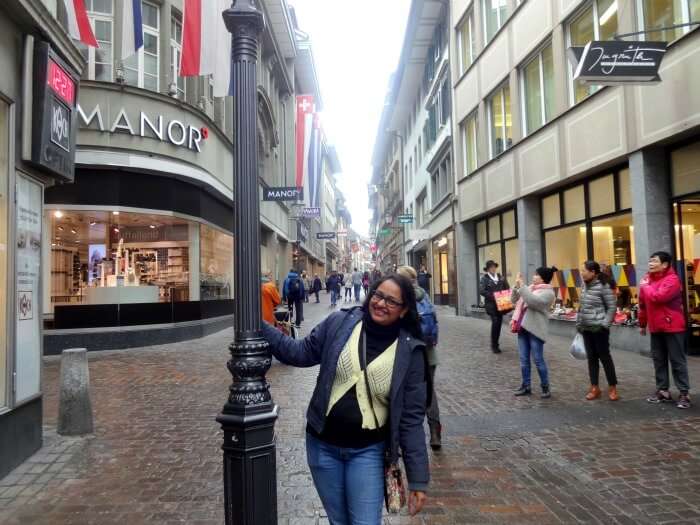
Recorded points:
685,169
468,133
597,22
481,233
625,189
495,15
613,247
176,54
490,252
500,121
574,204
566,247
495,228
602,196
538,90
551,211
508,219
465,38
502,248
141,69
216,263
4,192
513,257
688,253
656,14
100,60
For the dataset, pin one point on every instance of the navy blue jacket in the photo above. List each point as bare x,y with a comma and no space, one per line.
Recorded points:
285,287
408,386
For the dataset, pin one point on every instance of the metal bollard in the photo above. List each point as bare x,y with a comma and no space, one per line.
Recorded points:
75,408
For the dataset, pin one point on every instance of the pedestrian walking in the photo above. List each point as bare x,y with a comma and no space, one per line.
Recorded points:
270,297
661,314
347,282
429,329
365,283
492,282
424,278
357,284
307,285
328,283
531,323
293,293
334,285
596,313
369,401
316,287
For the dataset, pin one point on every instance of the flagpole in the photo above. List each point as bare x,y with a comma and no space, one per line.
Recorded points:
248,417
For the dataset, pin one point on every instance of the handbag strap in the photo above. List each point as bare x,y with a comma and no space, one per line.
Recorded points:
363,364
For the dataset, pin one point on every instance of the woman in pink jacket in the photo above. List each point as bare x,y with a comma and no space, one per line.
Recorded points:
661,312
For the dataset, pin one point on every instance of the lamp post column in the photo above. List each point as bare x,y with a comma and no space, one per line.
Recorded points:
248,417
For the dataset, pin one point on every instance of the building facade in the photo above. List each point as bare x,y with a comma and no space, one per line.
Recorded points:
551,171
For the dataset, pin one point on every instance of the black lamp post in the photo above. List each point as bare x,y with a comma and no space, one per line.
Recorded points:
248,417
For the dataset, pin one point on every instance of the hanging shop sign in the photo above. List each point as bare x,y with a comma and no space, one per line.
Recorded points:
613,62
283,194
302,232
311,212
175,132
405,219
325,236
385,231
53,113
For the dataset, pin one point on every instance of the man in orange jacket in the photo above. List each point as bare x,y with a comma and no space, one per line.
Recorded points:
270,298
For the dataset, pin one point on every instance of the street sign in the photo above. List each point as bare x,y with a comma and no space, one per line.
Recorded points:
325,236
405,219
385,231
311,212
284,193
613,62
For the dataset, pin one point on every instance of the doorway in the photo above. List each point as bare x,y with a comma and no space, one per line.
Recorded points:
687,231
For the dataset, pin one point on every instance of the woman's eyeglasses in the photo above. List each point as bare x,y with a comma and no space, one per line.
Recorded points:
378,296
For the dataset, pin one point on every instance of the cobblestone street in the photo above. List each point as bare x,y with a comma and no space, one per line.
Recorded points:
155,456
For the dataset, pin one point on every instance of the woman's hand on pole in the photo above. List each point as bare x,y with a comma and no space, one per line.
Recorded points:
416,500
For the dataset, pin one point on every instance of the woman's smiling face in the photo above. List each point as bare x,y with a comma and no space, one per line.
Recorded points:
387,305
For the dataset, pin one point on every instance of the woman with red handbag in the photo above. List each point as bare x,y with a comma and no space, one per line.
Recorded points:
369,403
492,282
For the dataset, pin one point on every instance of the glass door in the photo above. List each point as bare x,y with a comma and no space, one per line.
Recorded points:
687,228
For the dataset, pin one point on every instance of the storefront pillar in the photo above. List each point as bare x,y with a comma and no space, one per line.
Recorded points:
650,190
194,262
529,235
467,272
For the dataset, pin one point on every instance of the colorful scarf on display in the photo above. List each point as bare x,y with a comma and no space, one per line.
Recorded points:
521,307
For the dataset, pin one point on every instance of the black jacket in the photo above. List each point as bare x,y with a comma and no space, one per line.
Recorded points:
486,289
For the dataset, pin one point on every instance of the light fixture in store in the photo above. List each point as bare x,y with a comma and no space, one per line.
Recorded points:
115,213
116,230
92,223
58,214
152,226
73,231
58,238
60,228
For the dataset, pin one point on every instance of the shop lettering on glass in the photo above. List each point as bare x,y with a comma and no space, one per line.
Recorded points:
617,62
53,113
175,132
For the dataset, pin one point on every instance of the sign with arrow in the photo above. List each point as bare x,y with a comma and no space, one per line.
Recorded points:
405,219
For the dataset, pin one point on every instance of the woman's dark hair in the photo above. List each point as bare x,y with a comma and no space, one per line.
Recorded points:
664,257
546,273
410,322
593,266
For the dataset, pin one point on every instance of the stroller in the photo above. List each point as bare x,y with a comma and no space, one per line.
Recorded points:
283,321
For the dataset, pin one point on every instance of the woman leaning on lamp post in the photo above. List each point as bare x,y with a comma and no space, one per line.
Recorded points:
350,430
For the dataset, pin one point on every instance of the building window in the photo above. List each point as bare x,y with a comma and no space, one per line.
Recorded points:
441,181
445,103
420,210
4,218
468,134
141,69
100,59
497,240
538,90
591,221
500,124
598,21
176,54
495,15
465,39
656,14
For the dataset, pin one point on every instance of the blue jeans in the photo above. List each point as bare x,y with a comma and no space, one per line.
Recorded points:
350,481
334,297
531,344
357,288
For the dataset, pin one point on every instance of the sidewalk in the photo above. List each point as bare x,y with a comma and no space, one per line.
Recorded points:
155,455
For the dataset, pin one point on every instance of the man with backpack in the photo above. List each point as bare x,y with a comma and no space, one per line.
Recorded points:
429,328
293,293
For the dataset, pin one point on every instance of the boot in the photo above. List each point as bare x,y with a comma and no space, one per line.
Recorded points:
524,390
612,393
436,436
593,393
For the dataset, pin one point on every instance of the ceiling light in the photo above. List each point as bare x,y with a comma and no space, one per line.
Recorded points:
152,226
115,213
116,230
53,244
92,223
58,214
73,231
60,228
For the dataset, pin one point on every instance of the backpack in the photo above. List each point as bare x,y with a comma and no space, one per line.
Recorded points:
294,288
428,321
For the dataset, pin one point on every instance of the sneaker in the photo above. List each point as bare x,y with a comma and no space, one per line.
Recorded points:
683,401
661,396
523,391
546,393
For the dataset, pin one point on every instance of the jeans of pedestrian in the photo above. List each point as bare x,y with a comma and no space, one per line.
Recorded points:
531,345
598,351
350,481
665,347
357,288
433,410
316,294
297,304
334,297
348,293
496,322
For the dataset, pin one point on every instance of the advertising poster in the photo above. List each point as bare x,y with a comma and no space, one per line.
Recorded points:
28,317
96,253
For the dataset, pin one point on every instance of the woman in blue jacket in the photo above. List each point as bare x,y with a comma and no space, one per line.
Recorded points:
350,430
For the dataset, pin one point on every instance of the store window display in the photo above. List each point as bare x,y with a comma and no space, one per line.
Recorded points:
216,264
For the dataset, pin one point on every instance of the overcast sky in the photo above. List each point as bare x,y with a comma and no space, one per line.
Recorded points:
356,45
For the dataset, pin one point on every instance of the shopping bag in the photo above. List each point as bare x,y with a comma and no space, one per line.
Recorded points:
503,301
578,347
